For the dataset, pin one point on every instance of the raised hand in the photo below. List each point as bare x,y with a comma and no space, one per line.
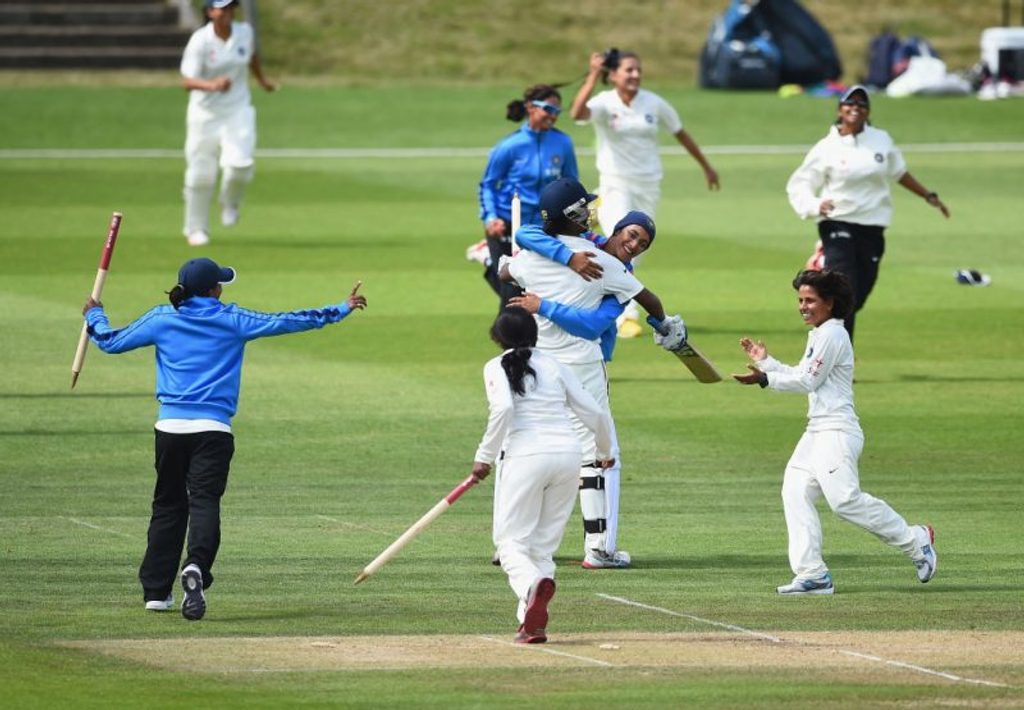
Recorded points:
355,300
528,301
754,377
756,351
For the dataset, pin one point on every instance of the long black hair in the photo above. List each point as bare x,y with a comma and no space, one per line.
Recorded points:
515,330
516,108
831,286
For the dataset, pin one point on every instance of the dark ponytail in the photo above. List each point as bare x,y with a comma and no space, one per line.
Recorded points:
516,109
176,295
515,329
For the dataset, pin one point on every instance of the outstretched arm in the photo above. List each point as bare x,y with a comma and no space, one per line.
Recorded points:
910,182
694,150
256,69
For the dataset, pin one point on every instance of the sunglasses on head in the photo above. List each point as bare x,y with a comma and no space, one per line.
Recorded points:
548,108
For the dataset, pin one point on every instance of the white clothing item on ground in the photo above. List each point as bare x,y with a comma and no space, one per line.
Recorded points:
627,135
854,172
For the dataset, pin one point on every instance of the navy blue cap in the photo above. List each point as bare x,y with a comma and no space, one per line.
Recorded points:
566,198
638,218
200,276
855,89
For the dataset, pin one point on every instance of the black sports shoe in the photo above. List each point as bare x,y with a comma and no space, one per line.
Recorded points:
194,605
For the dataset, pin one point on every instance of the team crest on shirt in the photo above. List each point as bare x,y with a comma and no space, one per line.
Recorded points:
649,118
879,158
241,51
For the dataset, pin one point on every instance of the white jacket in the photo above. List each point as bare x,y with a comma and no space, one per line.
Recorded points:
854,172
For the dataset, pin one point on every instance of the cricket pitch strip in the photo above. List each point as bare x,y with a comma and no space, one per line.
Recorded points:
981,658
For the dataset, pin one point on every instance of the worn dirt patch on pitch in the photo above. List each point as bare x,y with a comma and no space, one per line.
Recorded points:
993,656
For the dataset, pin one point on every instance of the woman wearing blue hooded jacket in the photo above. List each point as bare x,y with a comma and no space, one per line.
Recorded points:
523,162
199,345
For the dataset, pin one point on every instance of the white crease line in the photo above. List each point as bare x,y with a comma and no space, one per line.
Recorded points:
921,669
76,521
355,526
541,649
878,659
731,627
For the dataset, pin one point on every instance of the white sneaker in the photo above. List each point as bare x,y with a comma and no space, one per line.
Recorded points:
821,585
598,559
229,215
479,252
161,604
198,238
927,565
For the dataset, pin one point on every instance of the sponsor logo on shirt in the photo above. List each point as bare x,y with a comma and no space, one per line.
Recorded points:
649,118
879,158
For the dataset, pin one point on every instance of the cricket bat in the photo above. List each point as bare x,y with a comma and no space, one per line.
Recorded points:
695,361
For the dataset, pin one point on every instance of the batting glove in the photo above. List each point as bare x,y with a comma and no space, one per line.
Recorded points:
675,333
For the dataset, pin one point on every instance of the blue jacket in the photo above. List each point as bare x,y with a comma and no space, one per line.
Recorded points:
199,349
524,162
581,322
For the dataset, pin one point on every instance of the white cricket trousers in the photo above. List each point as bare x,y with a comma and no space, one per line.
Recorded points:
538,492
228,141
619,195
599,506
825,463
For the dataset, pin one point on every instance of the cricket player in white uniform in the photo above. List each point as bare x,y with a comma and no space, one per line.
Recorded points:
221,120
825,460
564,206
626,120
843,184
531,397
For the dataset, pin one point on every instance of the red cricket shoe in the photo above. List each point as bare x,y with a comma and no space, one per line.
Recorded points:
533,628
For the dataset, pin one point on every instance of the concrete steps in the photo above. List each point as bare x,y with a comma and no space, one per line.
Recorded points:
90,34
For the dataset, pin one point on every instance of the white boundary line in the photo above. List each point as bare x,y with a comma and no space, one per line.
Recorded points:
83,523
412,153
542,649
775,639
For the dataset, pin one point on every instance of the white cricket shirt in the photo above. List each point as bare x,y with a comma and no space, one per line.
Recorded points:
207,56
627,136
854,172
549,279
825,374
538,422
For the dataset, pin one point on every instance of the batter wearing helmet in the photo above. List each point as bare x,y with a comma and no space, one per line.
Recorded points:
564,206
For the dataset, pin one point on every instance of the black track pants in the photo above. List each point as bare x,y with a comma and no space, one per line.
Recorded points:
191,476
854,250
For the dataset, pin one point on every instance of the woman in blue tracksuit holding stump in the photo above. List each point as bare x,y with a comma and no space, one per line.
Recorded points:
523,162
199,345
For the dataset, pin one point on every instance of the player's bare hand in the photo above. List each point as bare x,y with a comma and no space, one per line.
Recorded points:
481,470
754,377
586,265
596,62
528,301
495,228
269,86
356,301
711,176
605,463
938,204
826,207
221,83
90,304
756,351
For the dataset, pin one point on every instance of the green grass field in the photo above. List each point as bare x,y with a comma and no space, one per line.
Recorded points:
347,435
